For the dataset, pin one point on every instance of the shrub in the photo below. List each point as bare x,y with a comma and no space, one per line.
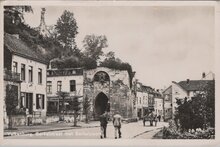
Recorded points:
170,133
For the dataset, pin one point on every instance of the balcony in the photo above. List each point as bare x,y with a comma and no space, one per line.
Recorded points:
11,76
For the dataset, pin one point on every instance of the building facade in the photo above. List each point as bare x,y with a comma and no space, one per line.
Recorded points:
167,95
70,81
184,89
30,69
108,89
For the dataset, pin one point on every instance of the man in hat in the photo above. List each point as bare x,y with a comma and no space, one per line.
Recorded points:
117,124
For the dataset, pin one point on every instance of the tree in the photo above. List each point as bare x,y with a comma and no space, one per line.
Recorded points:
66,31
86,107
11,101
13,17
93,46
75,106
62,95
199,112
112,62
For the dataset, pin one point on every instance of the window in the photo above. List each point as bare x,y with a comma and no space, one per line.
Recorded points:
22,101
49,87
30,73
72,85
23,72
39,101
59,85
15,67
39,76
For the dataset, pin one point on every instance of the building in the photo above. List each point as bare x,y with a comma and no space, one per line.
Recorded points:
145,100
141,100
69,80
28,69
158,104
184,89
43,29
109,89
167,95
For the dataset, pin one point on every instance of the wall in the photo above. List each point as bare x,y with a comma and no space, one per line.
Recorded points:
117,90
177,93
167,94
158,106
33,87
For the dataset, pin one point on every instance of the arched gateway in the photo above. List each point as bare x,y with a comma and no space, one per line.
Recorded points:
101,102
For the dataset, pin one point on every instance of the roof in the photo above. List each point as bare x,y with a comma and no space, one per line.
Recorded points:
20,48
64,72
194,85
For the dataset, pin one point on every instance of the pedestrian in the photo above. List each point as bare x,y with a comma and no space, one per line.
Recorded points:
103,124
159,117
151,118
155,119
144,119
117,124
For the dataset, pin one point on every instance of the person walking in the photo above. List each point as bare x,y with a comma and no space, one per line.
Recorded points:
117,124
151,118
159,117
103,124
155,119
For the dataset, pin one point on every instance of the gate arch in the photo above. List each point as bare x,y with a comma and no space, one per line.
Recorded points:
101,102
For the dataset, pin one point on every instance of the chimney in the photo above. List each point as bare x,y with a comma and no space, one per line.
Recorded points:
203,75
187,81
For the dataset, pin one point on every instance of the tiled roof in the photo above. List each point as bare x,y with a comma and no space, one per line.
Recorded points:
194,85
20,48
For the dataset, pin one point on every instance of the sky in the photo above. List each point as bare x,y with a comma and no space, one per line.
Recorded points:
162,43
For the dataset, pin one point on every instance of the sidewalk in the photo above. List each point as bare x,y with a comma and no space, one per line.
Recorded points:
138,131
48,127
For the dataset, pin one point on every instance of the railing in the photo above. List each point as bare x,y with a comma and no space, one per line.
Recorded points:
11,76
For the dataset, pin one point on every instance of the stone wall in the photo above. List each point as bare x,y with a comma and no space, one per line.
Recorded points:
117,89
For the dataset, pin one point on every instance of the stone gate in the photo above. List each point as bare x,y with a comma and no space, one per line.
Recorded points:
104,85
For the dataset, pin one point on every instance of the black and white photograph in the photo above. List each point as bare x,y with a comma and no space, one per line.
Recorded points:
108,72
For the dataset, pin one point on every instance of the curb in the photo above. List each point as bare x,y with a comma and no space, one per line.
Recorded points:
146,132
50,130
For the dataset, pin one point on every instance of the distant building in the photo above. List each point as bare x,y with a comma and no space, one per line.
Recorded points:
145,99
28,70
43,29
141,100
184,89
158,104
167,95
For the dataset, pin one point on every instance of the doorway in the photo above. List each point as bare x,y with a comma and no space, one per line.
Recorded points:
101,103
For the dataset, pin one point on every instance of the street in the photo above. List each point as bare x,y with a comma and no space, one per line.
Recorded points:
134,130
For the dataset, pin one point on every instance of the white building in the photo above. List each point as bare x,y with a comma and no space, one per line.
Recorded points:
185,89
144,99
158,106
69,80
21,59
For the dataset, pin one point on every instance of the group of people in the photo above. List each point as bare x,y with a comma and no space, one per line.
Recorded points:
152,118
116,123
117,120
